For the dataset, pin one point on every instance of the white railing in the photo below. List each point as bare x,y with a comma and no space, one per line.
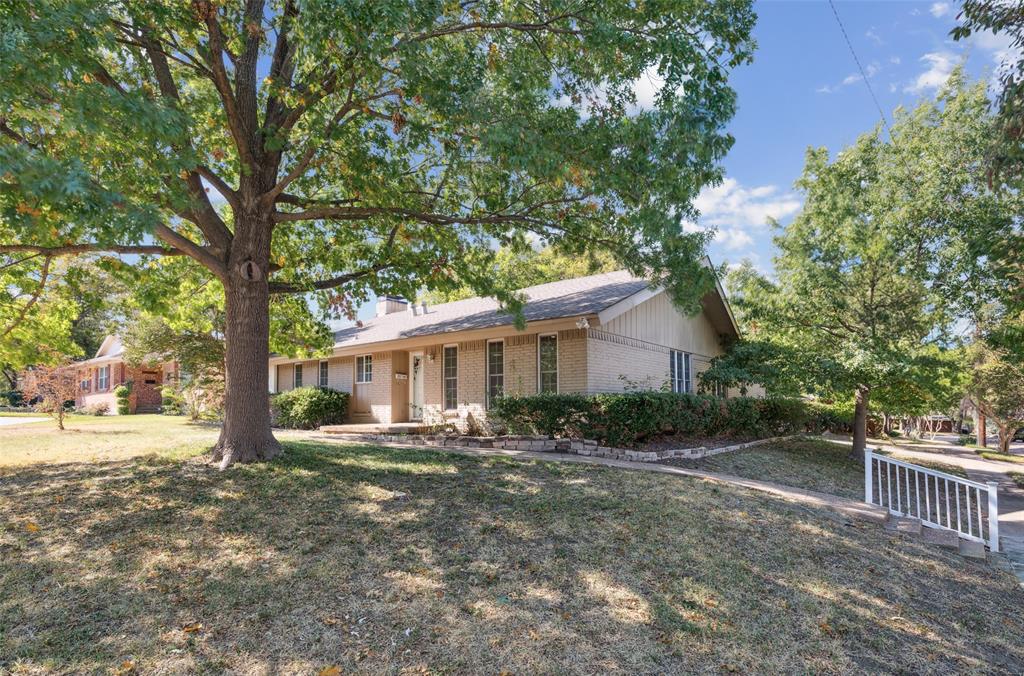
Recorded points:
940,500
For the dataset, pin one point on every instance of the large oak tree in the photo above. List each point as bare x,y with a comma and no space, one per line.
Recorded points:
339,149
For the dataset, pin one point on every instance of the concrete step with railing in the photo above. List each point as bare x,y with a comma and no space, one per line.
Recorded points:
943,509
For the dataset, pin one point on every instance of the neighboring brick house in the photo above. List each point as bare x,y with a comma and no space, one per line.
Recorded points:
603,333
99,377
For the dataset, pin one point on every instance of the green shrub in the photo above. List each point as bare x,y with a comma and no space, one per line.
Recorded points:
632,417
11,398
122,392
835,417
308,408
171,401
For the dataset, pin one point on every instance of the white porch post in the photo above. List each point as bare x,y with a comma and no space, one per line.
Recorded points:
868,482
273,378
993,515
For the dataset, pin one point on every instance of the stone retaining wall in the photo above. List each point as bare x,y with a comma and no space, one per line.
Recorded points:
549,445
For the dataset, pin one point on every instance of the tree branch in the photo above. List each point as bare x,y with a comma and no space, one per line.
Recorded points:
43,274
323,284
76,249
222,82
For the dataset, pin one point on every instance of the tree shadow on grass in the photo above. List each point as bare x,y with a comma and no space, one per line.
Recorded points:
383,559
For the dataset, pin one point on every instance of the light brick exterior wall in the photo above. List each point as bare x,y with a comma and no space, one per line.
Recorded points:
340,373
617,362
572,361
521,364
380,388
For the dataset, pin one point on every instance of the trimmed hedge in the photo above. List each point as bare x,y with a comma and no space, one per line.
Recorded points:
307,408
633,417
122,393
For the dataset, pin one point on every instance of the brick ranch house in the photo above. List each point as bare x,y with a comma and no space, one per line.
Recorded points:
99,377
603,333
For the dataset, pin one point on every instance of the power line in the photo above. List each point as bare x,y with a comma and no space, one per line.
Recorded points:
863,74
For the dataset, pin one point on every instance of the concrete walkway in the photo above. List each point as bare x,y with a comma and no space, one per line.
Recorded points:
7,421
854,509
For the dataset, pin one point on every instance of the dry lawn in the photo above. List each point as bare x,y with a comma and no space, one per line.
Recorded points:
405,561
812,464
99,438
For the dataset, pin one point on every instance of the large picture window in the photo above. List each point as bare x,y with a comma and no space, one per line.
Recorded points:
680,372
364,369
451,377
495,370
547,364
298,375
323,374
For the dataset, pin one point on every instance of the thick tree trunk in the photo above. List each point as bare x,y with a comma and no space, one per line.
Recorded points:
246,434
1005,437
982,432
860,423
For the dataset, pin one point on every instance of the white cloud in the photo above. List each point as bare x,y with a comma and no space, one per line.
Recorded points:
939,66
733,239
730,205
940,9
872,69
875,37
895,60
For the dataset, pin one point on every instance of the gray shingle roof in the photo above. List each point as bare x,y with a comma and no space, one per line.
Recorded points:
568,298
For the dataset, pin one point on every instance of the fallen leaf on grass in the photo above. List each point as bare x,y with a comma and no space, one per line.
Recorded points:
32,527
332,670
126,667
192,628
826,628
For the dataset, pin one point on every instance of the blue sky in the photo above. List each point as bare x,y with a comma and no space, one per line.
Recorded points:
804,89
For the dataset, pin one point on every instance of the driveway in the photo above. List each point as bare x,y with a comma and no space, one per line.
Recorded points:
12,420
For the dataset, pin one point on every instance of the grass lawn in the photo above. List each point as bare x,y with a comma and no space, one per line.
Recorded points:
996,455
97,438
812,464
405,561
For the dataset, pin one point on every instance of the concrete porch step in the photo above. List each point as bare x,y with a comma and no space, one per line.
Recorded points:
377,428
940,537
903,524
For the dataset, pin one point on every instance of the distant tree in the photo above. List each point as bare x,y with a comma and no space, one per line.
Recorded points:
862,288
53,387
360,147
523,266
995,386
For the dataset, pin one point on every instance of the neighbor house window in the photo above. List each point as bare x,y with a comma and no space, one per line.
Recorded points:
86,383
547,364
103,378
451,377
495,370
680,373
298,375
364,369
323,374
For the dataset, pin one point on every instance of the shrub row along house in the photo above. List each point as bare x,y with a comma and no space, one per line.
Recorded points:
604,333
100,376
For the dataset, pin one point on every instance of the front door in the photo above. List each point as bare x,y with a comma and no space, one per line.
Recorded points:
416,386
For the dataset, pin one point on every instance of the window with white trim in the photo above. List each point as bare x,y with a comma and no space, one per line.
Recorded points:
495,370
680,371
298,376
103,378
364,369
323,374
547,363
451,377
86,382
